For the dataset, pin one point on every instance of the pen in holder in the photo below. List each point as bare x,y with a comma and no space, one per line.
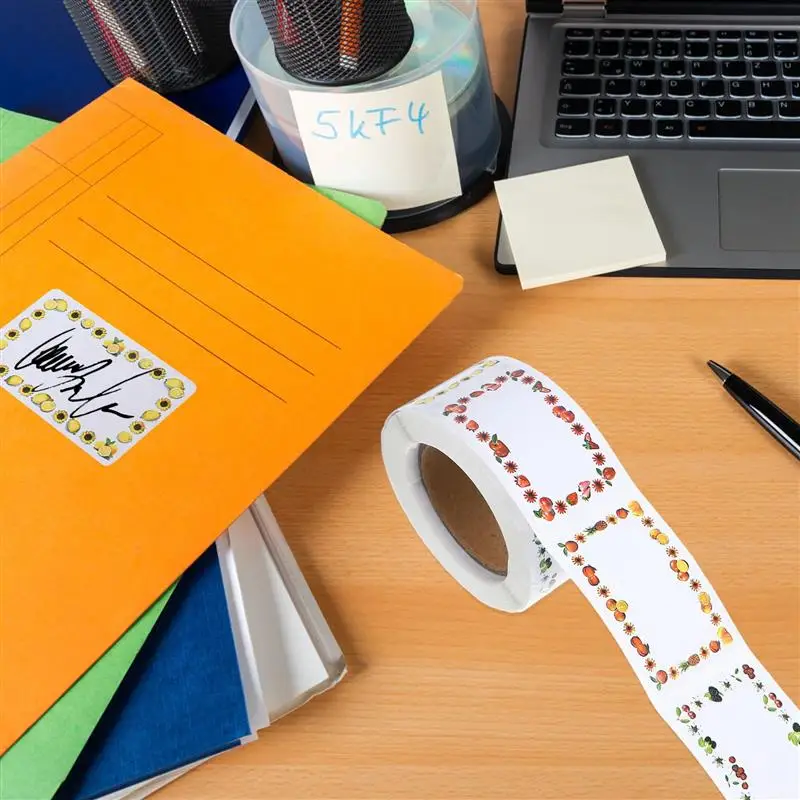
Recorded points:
168,45
389,99
338,42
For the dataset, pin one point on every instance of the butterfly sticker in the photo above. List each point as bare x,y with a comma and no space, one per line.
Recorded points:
588,443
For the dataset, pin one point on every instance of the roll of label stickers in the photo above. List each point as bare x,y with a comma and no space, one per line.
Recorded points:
567,510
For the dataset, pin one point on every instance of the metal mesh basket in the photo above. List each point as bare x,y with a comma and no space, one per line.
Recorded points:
168,45
338,42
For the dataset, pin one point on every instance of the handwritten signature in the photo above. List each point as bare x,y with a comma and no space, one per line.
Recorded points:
53,356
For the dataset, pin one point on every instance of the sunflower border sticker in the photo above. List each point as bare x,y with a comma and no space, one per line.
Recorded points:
31,369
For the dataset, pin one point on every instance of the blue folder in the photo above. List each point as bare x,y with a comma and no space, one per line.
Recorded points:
47,71
181,701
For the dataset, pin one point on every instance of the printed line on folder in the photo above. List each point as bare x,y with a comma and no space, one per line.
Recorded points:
83,191
195,297
46,197
98,139
165,321
223,273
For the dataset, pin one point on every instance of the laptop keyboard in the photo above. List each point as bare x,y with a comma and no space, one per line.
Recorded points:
673,84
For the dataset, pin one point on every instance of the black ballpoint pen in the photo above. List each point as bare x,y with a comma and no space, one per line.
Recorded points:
775,421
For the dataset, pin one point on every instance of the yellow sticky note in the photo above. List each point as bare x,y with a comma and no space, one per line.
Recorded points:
179,321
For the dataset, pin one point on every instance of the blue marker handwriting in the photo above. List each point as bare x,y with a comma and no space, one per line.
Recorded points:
370,124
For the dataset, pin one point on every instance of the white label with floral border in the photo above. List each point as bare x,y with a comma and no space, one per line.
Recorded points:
86,379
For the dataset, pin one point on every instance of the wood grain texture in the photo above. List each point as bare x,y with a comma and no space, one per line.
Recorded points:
449,699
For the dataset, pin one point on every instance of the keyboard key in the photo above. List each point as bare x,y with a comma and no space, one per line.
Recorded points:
637,49
744,129
572,128
585,86
667,49
696,50
675,69
760,109
642,68
640,128
733,69
785,36
668,33
729,36
648,87
605,107
641,33
677,88
573,107
773,88
665,108
579,33
669,129
728,109
699,36
577,66
611,67
697,109
612,33
789,109
791,69
608,128
756,36
634,108
704,69
785,50
765,69
619,87
795,88
609,49
756,50
742,88
711,88
577,47
728,50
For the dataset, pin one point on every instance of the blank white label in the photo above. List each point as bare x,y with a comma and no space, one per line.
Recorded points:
393,145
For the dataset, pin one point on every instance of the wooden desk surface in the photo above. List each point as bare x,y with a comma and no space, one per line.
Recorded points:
449,699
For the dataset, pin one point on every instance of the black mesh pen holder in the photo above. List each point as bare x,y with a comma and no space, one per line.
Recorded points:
338,42
168,45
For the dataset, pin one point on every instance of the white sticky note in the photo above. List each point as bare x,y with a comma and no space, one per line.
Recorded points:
393,145
578,221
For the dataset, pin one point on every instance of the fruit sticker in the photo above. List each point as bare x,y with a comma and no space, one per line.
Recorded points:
96,386
690,714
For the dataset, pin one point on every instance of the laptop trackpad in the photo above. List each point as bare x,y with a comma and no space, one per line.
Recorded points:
758,210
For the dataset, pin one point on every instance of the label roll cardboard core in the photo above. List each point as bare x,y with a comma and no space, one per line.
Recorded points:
463,510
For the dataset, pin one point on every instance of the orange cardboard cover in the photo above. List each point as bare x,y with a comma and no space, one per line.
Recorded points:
179,320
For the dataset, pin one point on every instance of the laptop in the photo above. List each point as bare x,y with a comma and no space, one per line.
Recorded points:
705,99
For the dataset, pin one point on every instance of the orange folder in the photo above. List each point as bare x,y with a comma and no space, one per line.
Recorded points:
180,321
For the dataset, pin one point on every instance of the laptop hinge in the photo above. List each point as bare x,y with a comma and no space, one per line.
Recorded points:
583,9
